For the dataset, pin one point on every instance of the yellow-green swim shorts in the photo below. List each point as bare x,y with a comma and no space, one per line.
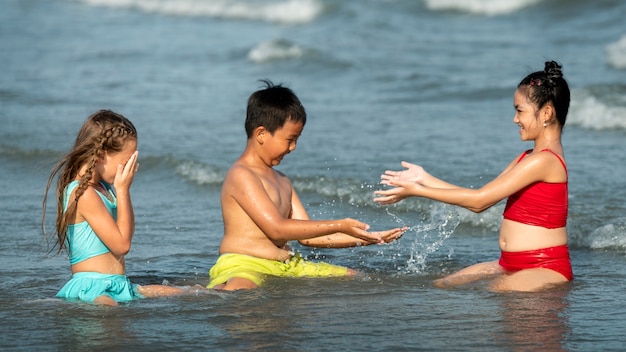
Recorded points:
232,265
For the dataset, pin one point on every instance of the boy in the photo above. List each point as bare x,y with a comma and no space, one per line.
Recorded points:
261,210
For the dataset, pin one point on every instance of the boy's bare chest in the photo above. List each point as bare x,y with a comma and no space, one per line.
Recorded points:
279,191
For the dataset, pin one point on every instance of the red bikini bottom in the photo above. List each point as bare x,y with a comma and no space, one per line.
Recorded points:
554,258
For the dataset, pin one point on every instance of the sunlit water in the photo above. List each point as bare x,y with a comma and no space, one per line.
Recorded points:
429,82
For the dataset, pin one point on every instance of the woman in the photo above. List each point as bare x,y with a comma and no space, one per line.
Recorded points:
533,236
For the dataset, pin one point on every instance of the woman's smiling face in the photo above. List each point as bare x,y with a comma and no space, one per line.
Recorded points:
525,116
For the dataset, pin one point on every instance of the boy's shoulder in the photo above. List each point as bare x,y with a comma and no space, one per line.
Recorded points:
243,172
239,169
252,164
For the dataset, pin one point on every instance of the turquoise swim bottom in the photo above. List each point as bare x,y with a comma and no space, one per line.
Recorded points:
87,286
232,265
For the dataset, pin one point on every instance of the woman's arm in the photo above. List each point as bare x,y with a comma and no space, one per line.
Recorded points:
414,173
515,177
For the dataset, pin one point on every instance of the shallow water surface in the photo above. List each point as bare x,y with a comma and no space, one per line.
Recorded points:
429,82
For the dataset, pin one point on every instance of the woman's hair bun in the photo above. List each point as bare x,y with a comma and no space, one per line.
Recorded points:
553,70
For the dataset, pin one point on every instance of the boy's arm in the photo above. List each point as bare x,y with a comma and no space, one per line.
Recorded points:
337,239
247,189
341,240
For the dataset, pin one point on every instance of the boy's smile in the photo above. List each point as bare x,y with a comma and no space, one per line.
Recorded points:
284,141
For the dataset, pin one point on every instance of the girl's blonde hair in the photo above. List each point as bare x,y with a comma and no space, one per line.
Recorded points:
103,132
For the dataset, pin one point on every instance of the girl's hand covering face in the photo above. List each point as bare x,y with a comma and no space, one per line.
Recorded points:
126,172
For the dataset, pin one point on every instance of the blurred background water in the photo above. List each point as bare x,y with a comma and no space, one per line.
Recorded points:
429,82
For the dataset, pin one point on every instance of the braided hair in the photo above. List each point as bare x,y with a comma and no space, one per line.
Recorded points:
103,132
548,86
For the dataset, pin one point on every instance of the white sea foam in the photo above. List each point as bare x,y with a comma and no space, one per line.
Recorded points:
609,236
285,12
480,7
275,50
588,111
616,53
201,174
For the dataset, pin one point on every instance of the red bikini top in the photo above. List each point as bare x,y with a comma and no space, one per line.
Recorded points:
541,203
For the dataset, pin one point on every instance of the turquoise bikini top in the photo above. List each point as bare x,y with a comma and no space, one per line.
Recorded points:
82,241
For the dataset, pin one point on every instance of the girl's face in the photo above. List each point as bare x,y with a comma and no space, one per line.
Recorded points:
283,141
526,116
107,168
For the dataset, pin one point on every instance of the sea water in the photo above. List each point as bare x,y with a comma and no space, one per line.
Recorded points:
430,82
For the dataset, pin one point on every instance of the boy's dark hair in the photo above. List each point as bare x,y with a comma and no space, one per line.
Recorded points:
271,107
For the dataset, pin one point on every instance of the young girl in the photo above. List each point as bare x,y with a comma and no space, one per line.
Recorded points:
533,236
95,220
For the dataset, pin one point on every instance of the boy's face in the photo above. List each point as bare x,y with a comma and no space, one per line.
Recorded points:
283,141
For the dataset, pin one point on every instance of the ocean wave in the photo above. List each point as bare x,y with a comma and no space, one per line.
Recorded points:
480,7
599,108
283,12
277,49
608,236
25,154
199,173
616,53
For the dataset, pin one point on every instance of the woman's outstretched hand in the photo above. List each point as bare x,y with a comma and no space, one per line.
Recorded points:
413,173
400,190
405,183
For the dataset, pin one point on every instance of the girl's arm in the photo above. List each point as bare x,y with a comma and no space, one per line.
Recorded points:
116,235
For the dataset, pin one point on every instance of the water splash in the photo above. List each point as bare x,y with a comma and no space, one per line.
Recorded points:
429,235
